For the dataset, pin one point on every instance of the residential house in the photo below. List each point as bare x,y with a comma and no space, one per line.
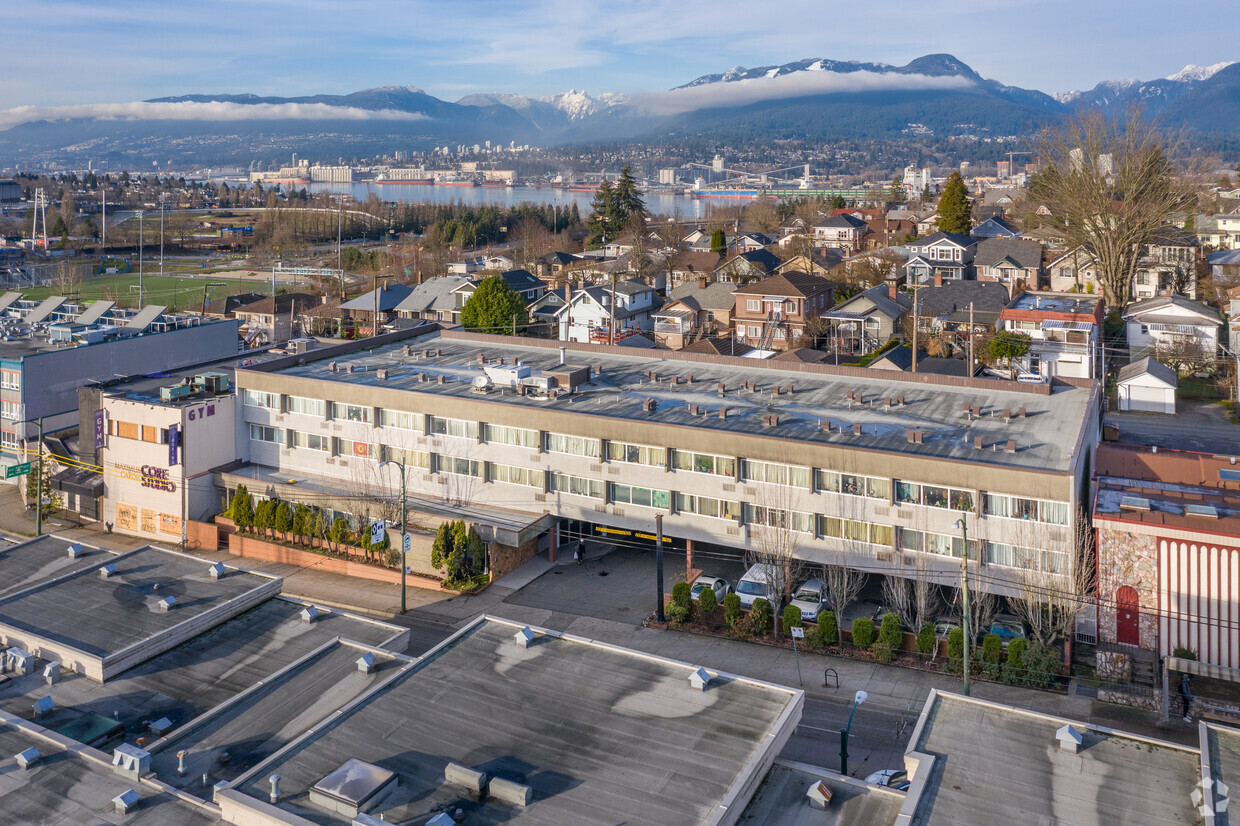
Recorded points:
588,314
928,223
691,265
941,256
522,282
995,227
745,267
699,241
468,265
1015,264
1064,328
273,320
814,262
868,320
725,345
380,303
951,310
900,358
1228,224
228,305
1051,237
1147,385
1168,321
750,241
1165,523
841,232
544,319
554,266
795,225
694,309
1169,263
802,355
772,313
435,299
1074,271
886,231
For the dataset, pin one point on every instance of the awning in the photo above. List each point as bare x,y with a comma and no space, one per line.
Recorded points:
1055,324
79,481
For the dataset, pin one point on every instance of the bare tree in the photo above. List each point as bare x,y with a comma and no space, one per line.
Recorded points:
1184,354
762,215
1048,601
913,600
774,538
1113,183
843,583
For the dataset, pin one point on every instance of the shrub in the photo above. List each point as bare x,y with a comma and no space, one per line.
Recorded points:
442,545
792,617
992,653
813,637
890,632
1014,672
1184,653
282,518
926,640
676,613
828,628
760,617
681,605
863,632
955,649
732,610
682,594
301,521
1041,665
339,531
264,515
882,651
708,603
241,511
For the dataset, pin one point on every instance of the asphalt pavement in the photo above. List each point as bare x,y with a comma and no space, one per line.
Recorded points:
1206,428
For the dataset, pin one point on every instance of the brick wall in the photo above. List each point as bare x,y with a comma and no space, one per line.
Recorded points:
505,558
1128,559
251,548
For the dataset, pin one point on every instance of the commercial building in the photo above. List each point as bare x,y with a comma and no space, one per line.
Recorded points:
870,467
50,349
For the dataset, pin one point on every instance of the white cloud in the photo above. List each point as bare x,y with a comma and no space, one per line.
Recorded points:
196,110
796,84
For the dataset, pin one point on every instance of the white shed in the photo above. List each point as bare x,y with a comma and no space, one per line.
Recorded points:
1147,385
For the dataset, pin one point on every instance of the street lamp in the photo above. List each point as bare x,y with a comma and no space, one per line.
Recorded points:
401,465
860,698
38,499
964,594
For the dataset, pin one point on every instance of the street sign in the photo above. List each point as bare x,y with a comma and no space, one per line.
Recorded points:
377,531
798,633
16,470
406,543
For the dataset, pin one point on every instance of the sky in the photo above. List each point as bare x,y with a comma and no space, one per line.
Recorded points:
61,53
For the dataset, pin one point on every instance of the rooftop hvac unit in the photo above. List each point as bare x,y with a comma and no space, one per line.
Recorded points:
507,376
213,382
176,392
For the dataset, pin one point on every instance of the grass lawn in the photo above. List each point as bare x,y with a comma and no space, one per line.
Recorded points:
1194,388
174,292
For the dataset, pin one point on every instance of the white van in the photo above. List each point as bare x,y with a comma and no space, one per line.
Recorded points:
753,586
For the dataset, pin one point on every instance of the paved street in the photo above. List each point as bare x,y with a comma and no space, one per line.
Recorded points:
1204,428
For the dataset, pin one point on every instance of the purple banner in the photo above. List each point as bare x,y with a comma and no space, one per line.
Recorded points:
101,430
174,442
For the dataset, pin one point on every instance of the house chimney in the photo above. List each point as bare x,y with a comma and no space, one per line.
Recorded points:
938,278
702,283
891,288
568,292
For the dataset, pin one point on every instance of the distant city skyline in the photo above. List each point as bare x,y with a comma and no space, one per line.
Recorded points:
68,53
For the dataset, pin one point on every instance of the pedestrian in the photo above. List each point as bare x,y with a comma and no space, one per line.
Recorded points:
577,554
1186,697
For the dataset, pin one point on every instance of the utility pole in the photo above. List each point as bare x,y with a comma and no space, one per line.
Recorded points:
915,288
103,226
403,538
161,233
964,593
658,557
971,362
339,237
611,328
141,241
38,482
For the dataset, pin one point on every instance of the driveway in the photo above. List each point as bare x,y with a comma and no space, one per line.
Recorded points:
1206,428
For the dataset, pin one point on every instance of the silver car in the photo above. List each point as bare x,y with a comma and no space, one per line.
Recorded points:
719,585
811,598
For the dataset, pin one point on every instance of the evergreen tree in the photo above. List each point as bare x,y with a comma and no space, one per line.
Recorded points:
926,197
837,202
954,206
604,215
494,307
718,241
242,509
896,191
628,200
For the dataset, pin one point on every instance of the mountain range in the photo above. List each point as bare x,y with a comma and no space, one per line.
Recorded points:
934,97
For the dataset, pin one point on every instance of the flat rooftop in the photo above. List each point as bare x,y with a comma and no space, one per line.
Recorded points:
38,560
1044,438
781,799
600,734
995,764
1078,304
189,680
103,616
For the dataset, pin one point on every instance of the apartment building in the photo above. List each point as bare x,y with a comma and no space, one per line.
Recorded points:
535,437
773,312
1064,328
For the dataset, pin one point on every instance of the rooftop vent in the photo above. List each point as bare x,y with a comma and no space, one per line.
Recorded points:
1070,739
107,571
649,405
19,661
76,550
309,613
331,366
700,678
472,780
1204,511
161,727
125,801
510,792
366,663
217,571
525,637
354,788
381,374
274,795
51,672
28,758
43,706
1134,503
977,442
441,819
771,420
166,604
819,795
1011,446
131,760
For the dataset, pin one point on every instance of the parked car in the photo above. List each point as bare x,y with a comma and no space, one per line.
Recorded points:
945,625
1008,627
753,586
811,598
891,778
719,585
861,608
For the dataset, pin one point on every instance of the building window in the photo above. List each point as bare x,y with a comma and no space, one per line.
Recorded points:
458,428
774,474
311,441
872,487
11,410
779,519
706,506
8,440
1011,556
573,445
646,497
306,407
576,485
10,380
516,436
399,419
636,454
254,398
871,533
262,433
352,412
1036,510
411,458
934,496
704,463
364,450
511,475
754,305
459,466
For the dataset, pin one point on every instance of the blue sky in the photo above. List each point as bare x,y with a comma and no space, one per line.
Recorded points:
61,53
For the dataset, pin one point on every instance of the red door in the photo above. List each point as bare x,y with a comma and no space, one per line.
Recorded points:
1127,615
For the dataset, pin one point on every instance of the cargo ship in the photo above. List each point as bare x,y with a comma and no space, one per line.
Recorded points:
407,177
455,182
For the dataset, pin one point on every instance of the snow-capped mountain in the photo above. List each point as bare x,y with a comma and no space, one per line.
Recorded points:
577,105
1155,95
1193,72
